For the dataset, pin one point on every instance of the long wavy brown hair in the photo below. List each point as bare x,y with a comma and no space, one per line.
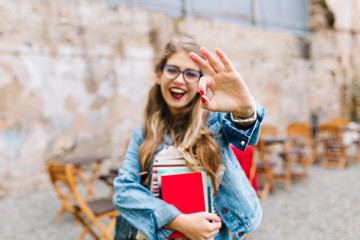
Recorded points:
187,129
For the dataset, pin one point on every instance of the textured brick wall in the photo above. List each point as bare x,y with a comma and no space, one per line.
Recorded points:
74,75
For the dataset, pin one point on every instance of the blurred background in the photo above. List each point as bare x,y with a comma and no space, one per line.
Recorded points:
74,75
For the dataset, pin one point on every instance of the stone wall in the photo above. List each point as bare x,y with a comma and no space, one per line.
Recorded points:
74,75
335,58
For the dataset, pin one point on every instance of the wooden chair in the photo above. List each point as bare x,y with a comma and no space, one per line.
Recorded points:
88,213
334,150
301,148
265,172
267,151
266,165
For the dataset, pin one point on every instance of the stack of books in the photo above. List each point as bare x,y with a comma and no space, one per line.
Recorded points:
176,184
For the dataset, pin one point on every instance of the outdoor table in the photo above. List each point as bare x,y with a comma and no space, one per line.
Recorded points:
278,140
78,163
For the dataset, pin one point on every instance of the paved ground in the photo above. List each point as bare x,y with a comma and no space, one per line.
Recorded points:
325,206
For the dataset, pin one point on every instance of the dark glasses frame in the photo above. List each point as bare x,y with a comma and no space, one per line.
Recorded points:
183,73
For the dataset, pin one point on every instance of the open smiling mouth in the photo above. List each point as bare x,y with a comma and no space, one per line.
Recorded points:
177,93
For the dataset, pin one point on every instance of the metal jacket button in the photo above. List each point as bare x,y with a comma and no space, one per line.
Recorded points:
241,234
225,210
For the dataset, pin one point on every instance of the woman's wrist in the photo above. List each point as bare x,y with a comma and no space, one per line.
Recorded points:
246,111
176,223
247,116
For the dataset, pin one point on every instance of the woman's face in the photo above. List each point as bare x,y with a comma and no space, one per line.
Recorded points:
177,92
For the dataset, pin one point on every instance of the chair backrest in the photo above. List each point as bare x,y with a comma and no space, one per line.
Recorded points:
330,132
65,174
268,130
59,172
299,130
340,121
302,132
331,136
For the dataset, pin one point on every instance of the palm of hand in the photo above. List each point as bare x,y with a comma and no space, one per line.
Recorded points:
198,226
229,92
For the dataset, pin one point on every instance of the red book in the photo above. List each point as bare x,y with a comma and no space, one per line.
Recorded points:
187,192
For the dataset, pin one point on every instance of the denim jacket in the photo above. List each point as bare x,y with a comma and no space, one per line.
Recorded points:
236,202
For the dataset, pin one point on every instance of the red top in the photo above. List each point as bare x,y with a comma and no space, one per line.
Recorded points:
245,159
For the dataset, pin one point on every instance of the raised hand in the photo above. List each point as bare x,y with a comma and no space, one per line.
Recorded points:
197,226
229,92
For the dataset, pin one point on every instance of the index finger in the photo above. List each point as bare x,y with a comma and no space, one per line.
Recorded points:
224,59
214,62
202,63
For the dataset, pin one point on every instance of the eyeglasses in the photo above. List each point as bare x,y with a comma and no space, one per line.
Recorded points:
171,72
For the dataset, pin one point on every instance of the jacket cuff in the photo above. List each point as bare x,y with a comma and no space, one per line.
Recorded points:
241,137
163,216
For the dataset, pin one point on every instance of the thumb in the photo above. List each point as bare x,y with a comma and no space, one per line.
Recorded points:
206,86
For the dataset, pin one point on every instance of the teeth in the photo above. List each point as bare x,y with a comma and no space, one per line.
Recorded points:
176,90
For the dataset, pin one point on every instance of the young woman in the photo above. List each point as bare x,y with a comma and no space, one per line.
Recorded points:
200,116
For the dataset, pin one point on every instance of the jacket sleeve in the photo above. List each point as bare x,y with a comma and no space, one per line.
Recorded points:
237,202
239,137
135,203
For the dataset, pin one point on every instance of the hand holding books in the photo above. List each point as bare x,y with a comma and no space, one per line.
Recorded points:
190,192
197,225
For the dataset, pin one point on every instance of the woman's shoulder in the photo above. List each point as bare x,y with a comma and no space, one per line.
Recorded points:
138,133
